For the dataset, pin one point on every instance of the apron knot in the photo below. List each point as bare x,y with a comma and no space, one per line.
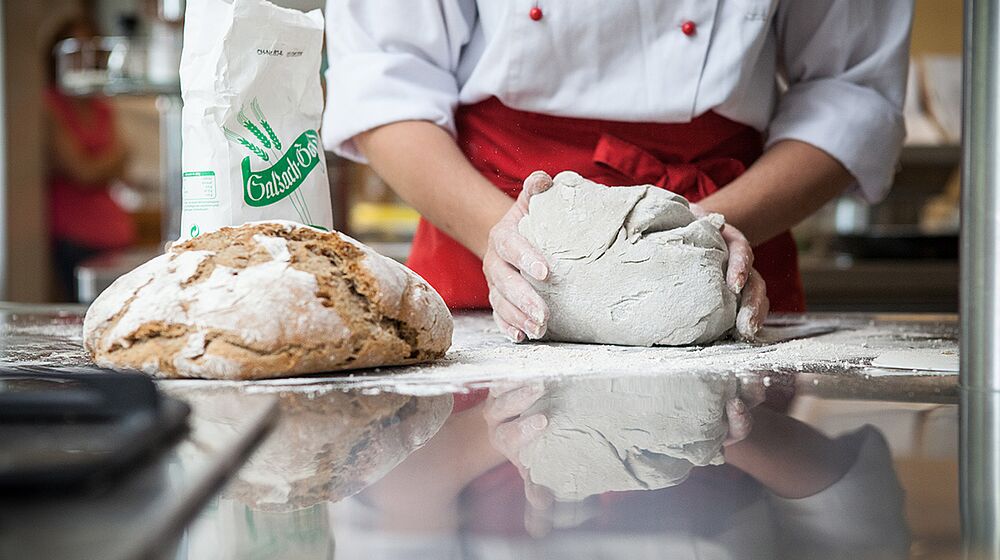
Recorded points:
693,180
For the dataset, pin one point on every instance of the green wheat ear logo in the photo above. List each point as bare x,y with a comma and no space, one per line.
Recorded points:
289,170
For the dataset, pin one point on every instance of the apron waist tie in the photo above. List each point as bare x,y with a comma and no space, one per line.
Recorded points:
694,181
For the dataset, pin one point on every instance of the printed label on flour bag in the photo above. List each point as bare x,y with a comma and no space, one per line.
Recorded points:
252,105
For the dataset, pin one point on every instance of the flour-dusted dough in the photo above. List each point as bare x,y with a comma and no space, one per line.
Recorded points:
662,426
267,299
629,265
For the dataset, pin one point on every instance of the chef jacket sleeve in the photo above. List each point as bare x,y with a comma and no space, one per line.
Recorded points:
390,64
861,514
845,62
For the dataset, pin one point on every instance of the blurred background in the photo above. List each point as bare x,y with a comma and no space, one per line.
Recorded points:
92,162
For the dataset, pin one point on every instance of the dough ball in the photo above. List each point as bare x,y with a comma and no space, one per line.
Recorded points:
267,299
629,265
662,427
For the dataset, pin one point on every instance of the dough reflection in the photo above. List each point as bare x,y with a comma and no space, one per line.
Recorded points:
601,467
632,433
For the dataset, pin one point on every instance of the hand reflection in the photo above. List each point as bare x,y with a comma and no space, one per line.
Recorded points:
572,439
509,432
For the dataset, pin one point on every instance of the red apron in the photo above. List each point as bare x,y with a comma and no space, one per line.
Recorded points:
692,159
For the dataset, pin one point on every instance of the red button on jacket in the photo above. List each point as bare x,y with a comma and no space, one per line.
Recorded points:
689,28
535,13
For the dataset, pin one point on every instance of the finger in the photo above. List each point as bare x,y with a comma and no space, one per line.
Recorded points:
740,258
752,390
538,518
517,251
754,306
754,297
740,421
513,316
540,497
514,403
502,386
538,182
510,437
504,280
515,334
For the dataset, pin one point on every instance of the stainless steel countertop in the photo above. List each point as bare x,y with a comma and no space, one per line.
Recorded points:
832,364
375,463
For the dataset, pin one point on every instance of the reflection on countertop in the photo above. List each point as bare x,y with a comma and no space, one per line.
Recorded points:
562,451
473,491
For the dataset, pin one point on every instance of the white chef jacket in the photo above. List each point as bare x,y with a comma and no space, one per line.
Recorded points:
844,63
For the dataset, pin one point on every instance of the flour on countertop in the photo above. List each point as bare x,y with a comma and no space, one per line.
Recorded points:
482,356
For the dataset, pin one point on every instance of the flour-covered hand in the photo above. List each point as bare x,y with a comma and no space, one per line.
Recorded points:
754,306
743,279
518,310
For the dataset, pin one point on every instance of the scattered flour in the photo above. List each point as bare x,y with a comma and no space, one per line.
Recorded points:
481,356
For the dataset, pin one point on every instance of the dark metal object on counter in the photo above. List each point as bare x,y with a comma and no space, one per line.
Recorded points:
144,513
980,308
66,429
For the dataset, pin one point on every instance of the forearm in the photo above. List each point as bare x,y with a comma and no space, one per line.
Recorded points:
89,171
109,166
788,457
423,164
422,492
788,183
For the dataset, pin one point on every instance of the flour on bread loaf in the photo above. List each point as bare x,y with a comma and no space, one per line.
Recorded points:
266,299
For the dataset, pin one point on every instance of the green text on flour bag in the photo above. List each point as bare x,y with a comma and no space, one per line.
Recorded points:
250,81
284,171
270,185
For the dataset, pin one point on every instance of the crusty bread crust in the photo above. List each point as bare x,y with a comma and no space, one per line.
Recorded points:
267,299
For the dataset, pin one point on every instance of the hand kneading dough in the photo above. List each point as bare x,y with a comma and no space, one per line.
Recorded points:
629,265
267,299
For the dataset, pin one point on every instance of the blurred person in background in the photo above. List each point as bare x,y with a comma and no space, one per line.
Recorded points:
86,156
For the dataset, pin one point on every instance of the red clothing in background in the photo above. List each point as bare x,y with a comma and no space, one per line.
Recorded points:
86,215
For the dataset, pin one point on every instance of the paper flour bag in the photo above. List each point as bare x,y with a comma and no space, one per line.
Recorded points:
250,80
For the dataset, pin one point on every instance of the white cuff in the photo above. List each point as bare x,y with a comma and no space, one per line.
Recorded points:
368,90
855,125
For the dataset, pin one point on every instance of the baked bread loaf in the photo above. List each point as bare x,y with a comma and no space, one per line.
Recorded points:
266,299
